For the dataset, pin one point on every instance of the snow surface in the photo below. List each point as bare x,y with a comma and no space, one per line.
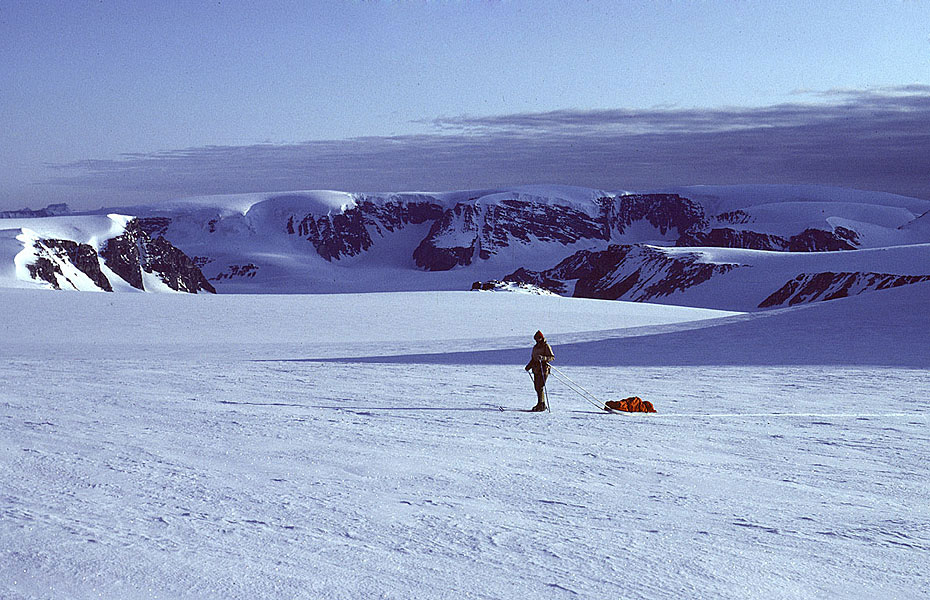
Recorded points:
351,446
763,272
321,202
724,198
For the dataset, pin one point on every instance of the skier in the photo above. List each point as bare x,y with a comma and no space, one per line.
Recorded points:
539,363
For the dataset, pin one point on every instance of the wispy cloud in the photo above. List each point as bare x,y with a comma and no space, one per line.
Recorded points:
869,139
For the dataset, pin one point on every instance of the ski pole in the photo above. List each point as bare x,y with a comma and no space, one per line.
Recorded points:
545,391
545,376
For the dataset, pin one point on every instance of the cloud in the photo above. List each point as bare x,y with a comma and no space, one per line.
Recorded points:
867,139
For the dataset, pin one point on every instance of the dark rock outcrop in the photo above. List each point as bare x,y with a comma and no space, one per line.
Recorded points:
237,271
45,269
133,252
638,273
809,240
736,217
733,238
174,267
812,287
663,211
470,230
154,226
495,285
467,231
52,252
347,233
819,240
461,221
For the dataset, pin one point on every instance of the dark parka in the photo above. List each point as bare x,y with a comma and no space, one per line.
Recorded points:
539,363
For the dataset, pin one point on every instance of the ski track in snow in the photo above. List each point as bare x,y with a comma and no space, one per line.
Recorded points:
180,472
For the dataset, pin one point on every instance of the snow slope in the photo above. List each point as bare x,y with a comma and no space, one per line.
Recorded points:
761,273
724,198
201,447
297,326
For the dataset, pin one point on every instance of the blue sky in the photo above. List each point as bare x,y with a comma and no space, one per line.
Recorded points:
106,103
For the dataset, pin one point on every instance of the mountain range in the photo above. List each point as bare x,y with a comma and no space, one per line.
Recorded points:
728,247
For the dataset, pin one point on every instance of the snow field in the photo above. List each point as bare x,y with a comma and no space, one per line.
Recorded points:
74,325
307,480
351,446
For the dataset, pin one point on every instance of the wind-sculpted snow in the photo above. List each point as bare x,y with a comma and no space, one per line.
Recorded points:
186,446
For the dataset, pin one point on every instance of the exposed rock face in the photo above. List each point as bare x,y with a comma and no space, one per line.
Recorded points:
733,238
663,211
624,272
470,231
818,240
237,271
811,287
123,255
133,252
736,217
509,286
347,233
51,253
174,267
467,231
154,226
462,223
809,240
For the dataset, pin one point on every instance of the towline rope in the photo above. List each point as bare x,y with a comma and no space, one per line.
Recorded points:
578,389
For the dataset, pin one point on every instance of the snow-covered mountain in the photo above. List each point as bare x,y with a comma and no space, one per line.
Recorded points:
660,246
729,278
93,253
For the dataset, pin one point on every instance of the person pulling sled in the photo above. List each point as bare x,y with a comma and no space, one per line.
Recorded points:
539,364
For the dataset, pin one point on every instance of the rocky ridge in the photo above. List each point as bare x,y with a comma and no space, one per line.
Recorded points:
53,257
622,272
64,264
134,252
813,287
